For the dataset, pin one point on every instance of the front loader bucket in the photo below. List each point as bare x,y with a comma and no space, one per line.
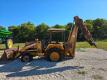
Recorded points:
3,57
9,54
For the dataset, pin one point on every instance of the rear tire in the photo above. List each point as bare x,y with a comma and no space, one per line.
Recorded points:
54,55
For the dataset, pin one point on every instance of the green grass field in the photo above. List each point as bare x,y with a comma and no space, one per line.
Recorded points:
100,45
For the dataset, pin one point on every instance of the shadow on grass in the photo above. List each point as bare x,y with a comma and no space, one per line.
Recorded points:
36,67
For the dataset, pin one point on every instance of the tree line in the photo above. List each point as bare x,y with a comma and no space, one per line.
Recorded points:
28,31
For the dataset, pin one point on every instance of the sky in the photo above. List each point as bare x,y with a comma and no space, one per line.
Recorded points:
51,12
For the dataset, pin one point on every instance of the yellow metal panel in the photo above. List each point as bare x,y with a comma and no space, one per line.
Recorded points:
60,46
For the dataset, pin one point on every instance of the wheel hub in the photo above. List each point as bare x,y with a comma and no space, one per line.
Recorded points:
54,56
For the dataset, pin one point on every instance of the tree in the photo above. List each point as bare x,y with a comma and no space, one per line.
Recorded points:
104,30
15,31
1,27
97,28
41,30
69,26
89,24
27,32
58,26
24,32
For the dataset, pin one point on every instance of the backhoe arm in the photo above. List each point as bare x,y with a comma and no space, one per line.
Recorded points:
79,22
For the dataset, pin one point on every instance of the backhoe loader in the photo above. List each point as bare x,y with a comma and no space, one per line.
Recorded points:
51,50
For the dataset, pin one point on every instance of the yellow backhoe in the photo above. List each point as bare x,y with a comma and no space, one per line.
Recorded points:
51,50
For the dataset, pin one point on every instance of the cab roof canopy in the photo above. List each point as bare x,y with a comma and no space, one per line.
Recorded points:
55,30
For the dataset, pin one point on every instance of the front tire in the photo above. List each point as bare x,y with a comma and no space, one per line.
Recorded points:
26,58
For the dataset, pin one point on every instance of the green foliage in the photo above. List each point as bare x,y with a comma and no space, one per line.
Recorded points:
69,26
41,30
1,27
99,28
89,24
104,30
28,31
15,31
59,26
23,32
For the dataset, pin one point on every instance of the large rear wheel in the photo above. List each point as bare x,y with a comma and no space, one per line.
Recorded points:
54,54
9,43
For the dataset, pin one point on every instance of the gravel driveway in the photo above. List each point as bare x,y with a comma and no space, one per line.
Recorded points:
88,64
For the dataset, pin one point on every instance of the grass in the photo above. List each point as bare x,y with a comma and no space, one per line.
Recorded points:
2,46
100,45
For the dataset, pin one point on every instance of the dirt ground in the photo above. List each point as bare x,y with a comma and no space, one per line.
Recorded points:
88,64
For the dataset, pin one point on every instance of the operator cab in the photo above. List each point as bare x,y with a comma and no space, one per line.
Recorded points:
56,35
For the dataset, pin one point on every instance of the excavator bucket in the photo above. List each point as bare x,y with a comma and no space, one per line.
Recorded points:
79,22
